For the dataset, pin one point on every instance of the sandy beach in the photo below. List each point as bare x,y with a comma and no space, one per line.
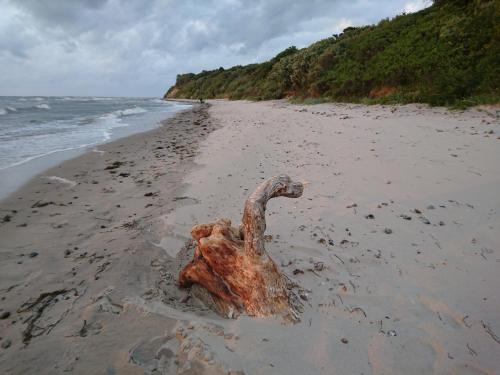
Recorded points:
395,243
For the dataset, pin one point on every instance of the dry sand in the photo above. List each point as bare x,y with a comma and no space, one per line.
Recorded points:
396,241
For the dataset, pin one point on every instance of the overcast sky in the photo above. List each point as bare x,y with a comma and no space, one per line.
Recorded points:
137,47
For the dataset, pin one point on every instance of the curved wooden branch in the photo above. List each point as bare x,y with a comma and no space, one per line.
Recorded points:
254,215
233,264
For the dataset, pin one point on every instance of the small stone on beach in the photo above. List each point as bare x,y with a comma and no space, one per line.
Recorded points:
6,344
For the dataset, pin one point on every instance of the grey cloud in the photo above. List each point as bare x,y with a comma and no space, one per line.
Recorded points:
134,47
57,12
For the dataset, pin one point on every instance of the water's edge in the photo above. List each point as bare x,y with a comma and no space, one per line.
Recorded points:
15,177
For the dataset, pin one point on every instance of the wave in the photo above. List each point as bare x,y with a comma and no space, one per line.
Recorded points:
130,111
4,111
62,180
161,101
83,98
109,122
98,98
33,157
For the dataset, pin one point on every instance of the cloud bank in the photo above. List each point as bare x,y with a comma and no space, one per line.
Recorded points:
136,48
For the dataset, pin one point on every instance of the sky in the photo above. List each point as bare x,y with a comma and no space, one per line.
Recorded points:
137,47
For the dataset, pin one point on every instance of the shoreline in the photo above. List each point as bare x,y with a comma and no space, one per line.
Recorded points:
15,176
395,243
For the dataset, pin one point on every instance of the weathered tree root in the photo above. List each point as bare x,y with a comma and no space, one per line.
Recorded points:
233,265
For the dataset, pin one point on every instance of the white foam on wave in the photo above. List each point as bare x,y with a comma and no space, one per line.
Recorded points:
110,121
106,135
61,180
156,100
130,111
43,106
4,111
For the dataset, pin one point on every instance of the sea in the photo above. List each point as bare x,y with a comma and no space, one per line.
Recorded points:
39,132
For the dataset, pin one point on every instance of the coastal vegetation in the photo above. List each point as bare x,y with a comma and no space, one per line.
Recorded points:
447,54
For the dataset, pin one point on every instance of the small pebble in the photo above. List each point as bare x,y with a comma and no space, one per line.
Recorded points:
387,230
4,315
319,266
343,340
425,220
6,344
33,254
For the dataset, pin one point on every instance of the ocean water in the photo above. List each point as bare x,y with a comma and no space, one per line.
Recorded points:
39,132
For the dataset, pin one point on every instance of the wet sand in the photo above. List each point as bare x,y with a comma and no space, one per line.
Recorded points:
395,242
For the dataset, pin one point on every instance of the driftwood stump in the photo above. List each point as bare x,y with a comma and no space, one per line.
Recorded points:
233,265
